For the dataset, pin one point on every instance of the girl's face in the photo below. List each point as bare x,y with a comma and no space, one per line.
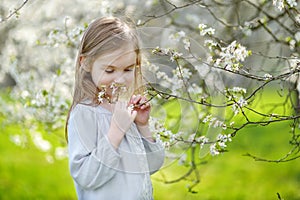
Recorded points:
116,67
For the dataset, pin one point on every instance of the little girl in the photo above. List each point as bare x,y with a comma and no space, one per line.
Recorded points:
111,149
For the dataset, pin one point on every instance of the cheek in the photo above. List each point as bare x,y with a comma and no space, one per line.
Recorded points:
104,81
99,79
130,77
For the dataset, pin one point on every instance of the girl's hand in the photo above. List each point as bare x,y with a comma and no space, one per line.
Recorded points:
142,107
122,116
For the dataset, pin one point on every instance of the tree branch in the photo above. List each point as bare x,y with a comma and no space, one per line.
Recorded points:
15,12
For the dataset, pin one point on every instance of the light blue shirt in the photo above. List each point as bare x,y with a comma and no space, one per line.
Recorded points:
101,172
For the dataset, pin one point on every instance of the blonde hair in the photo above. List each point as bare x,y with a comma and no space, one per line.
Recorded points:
102,36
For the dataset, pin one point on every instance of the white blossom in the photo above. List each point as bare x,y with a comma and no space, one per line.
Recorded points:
161,74
40,142
297,18
220,144
231,56
202,26
49,158
177,37
151,67
292,3
202,140
175,55
214,122
279,4
210,44
236,94
235,109
101,96
242,102
61,153
292,44
166,51
213,149
139,22
268,76
297,36
182,72
238,105
204,30
224,138
294,63
195,89
187,43
181,34
210,60
246,29
192,137
237,90
25,94
207,118
16,139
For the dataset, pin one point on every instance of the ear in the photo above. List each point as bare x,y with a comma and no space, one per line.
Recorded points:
84,64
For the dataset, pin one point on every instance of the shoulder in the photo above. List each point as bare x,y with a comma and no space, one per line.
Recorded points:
81,111
85,109
88,116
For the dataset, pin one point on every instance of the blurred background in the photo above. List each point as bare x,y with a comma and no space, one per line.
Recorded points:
38,41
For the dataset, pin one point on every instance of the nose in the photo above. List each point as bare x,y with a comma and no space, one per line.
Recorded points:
120,79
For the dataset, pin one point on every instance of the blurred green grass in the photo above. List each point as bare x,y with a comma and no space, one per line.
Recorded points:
25,173
234,176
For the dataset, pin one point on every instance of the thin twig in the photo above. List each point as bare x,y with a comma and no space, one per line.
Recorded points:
15,12
152,17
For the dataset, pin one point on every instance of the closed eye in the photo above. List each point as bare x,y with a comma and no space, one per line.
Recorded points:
129,69
109,71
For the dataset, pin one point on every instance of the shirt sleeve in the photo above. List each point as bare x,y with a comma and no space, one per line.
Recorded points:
92,159
155,154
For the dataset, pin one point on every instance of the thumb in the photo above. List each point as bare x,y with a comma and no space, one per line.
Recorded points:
133,115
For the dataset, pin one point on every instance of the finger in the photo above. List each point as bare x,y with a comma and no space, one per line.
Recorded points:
124,105
129,109
143,100
132,99
145,106
133,115
139,100
117,105
136,99
121,105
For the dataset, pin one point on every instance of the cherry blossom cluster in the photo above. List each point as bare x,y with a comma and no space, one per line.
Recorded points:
219,146
230,57
237,95
174,55
162,134
280,4
214,122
